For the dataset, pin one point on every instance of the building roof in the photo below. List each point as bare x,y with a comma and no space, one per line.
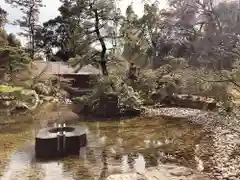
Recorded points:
52,68
89,69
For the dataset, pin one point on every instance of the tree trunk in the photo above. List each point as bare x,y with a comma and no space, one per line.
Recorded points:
103,62
31,22
32,44
104,68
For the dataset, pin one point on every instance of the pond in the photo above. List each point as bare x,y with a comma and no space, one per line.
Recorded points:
113,147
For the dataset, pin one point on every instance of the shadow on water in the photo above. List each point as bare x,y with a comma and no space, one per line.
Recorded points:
117,147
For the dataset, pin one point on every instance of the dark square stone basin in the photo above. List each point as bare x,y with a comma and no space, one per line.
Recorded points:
49,143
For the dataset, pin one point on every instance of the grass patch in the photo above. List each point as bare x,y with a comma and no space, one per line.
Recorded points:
6,89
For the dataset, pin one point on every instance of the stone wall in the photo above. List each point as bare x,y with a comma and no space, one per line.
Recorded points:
186,101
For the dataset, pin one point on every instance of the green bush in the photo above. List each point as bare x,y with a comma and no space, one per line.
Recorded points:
13,61
147,83
12,97
127,97
164,79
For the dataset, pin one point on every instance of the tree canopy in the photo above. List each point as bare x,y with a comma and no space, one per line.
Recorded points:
202,34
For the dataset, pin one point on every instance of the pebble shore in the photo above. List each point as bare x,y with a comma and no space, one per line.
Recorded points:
225,157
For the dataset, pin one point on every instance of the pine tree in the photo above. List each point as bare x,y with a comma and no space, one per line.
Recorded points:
28,22
3,17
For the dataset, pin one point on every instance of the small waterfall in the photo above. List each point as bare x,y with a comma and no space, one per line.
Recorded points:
61,138
58,141
64,137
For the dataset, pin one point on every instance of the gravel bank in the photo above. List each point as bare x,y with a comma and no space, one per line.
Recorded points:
225,134
162,172
226,157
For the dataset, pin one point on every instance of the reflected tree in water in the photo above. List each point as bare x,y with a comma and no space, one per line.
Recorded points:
104,157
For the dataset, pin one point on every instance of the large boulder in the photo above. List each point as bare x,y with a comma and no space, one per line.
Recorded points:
108,106
105,106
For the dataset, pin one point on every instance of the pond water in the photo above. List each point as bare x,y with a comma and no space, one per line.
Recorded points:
114,147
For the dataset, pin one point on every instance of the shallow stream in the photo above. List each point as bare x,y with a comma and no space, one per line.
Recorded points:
114,147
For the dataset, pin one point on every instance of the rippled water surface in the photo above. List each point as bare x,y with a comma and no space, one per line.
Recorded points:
114,147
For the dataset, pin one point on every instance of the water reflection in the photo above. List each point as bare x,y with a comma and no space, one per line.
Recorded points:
55,170
20,161
115,147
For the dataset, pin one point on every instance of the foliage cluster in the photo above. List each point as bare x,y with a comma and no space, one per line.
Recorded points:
190,47
128,98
